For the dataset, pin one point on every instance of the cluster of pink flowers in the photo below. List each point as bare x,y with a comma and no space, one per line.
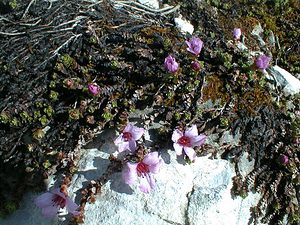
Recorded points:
142,170
195,45
262,62
184,141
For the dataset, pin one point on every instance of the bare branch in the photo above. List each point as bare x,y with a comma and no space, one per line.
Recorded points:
26,10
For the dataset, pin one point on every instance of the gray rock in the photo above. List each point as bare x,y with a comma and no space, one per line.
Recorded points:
244,165
289,83
257,32
183,25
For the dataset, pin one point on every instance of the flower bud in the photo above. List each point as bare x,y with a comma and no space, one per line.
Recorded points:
170,64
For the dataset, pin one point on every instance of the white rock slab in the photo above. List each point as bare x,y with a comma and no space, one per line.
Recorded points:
184,25
290,84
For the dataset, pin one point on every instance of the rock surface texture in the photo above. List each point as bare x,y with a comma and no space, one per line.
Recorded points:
289,83
195,194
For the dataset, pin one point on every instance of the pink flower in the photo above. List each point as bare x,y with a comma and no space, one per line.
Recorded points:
51,202
194,45
237,33
262,62
170,64
94,89
283,159
195,65
126,140
187,140
143,170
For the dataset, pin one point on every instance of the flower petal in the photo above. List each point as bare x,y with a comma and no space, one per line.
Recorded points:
128,128
155,168
198,140
137,132
151,158
129,173
153,161
123,146
144,185
57,191
151,181
44,200
190,152
72,206
50,211
132,146
191,131
176,135
119,139
178,148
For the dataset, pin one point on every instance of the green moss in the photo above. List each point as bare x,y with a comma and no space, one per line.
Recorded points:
52,84
4,118
10,207
177,116
53,95
25,117
38,134
67,61
224,122
15,122
93,40
49,111
44,120
46,164
107,116
114,64
13,4
74,114
36,115
167,43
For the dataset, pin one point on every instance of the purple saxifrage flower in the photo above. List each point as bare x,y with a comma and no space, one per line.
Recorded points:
143,170
170,64
262,62
51,202
194,45
283,159
195,65
94,89
126,140
237,32
187,140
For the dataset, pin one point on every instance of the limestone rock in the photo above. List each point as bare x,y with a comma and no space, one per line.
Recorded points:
183,25
289,83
